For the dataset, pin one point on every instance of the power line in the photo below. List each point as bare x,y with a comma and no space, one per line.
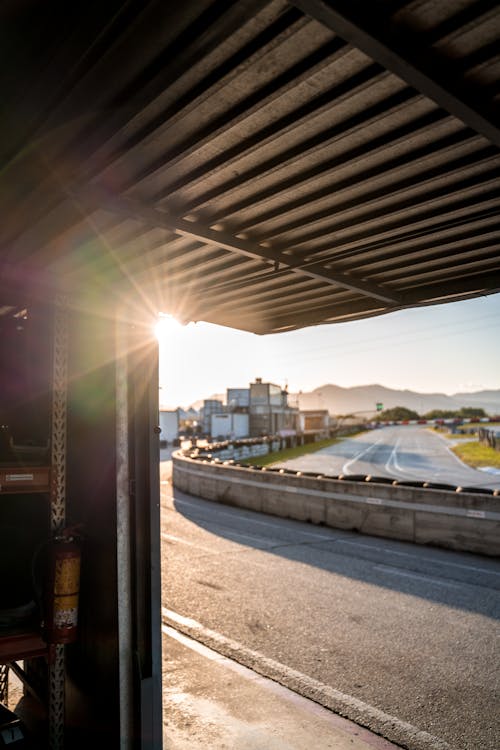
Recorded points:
330,349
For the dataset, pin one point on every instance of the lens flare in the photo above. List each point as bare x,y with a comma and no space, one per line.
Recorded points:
166,326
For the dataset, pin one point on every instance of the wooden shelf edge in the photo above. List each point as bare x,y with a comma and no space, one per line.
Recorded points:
24,479
18,646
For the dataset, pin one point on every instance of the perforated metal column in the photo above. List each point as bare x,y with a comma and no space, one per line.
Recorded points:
58,505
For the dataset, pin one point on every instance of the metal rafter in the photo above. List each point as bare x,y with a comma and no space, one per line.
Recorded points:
267,94
94,197
365,26
476,284
429,294
361,172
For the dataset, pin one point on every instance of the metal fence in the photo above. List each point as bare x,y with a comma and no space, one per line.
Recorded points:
491,438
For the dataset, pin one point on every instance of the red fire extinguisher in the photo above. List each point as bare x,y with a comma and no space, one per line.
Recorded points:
63,588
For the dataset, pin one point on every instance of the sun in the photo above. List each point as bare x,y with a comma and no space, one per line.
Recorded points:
166,326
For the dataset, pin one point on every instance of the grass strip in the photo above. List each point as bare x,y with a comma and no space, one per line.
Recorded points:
474,454
288,453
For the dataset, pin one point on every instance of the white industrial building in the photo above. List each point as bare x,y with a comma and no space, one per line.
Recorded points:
169,424
231,425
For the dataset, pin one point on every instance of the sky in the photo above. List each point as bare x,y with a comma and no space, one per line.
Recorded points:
447,348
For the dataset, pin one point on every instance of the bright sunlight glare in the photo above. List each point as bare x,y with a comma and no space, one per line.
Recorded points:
450,348
166,326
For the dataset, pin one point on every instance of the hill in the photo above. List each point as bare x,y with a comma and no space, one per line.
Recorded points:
364,398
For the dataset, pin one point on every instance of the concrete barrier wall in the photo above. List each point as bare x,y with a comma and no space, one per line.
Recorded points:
459,521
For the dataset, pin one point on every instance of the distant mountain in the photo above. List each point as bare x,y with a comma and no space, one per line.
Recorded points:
364,398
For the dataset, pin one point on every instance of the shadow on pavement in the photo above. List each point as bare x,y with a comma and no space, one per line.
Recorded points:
460,580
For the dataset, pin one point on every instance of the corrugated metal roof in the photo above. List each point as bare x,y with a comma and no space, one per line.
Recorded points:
264,165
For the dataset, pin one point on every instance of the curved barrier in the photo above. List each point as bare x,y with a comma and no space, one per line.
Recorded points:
452,517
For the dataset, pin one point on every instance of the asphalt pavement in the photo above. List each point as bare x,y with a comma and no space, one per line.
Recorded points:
402,639
213,701
405,452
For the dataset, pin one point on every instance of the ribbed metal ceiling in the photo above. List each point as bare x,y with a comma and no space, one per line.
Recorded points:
264,165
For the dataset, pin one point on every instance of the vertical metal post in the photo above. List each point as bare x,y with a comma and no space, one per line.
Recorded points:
58,504
4,683
123,538
152,698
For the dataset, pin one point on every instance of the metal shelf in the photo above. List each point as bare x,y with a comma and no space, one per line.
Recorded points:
23,479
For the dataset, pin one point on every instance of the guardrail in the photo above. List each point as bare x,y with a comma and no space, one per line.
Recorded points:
439,515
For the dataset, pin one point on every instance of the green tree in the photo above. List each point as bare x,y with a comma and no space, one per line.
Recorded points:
466,412
397,414
470,412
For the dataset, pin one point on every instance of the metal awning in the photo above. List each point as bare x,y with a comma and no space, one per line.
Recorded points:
263,165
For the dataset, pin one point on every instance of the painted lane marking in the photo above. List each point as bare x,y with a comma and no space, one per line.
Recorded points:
396,467
420,576
468,470
381,566
469,477
413,472
213,551
489,470
340,540
355,458
172,538
392,457
228,530
421,558
307,686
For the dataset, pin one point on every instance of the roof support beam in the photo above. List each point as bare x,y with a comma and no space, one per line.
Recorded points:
364,26
478,285
94,197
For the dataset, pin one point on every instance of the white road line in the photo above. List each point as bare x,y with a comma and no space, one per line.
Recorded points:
213,551
371,547
172,538
431,561
419,576
353,460
307,686
230,532
454,456
333,538
392,459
